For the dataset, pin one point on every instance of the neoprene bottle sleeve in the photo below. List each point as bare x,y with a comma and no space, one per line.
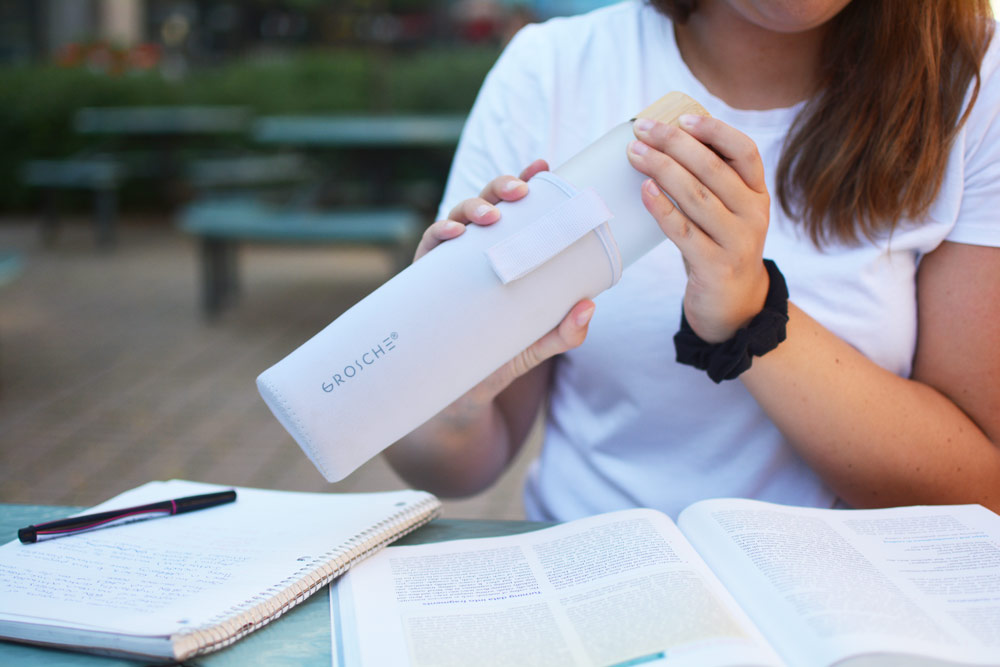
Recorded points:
451,318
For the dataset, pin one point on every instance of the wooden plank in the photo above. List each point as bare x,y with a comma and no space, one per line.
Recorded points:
162,120
249,220
93,173
360,131
247,170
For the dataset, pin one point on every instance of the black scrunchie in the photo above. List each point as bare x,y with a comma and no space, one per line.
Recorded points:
726,360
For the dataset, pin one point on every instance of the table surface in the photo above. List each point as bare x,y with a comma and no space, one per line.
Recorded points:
300,637
343,131
163,120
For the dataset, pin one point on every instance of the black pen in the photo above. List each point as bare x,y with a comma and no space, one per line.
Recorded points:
77,524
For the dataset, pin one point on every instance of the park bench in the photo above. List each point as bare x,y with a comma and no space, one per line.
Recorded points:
222,225
11,266
127,143
102,175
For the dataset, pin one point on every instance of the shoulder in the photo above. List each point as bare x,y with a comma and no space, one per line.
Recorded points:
607,26
556,87
581,43
581,75
991,60
983,117
975,193
564,75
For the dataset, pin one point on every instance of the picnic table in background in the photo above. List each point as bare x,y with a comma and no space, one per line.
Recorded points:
129,143
402,157
365,161
11,266
164,121
398,131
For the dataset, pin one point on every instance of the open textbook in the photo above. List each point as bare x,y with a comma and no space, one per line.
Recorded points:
734,582
193,583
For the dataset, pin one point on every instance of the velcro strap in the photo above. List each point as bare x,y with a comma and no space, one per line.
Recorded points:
529,248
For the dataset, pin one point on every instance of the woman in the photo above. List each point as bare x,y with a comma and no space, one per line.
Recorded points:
843,147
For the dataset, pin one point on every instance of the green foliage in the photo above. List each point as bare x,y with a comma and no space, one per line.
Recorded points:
439,80
37,103
307,83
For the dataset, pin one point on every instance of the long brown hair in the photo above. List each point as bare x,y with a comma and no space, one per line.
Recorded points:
870,148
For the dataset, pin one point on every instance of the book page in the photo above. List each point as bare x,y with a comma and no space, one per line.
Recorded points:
619,589
825,585
165,575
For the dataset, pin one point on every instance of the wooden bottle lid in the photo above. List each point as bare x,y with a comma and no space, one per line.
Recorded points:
672,106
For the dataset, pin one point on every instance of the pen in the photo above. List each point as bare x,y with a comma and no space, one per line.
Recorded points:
78,524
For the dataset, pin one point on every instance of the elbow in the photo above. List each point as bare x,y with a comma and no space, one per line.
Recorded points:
444,478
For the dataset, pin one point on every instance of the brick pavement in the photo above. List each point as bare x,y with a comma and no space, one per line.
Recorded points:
109,378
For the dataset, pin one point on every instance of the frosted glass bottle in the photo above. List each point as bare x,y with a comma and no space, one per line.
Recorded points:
443,324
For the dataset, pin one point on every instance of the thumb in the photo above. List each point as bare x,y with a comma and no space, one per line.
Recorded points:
570,333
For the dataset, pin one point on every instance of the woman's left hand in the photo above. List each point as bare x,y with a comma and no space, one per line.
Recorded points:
716,176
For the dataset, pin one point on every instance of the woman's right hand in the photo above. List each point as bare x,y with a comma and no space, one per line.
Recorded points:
482,210
479,210
466,446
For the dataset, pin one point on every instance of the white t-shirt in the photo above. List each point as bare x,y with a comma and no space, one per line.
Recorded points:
627,425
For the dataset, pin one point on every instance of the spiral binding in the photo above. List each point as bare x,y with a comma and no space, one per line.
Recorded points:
242,619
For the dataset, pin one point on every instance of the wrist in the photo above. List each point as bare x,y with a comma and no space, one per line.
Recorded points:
727,359
740,309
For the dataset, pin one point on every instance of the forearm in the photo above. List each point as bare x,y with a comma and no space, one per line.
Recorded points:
458,452
464,449
467,446
875,438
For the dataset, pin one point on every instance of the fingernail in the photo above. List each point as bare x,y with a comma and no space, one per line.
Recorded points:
638,148
453,226
510,186
652,189
689,120
644,124
584,317
483,210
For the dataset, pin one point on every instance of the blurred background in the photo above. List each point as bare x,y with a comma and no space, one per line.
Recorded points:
189,189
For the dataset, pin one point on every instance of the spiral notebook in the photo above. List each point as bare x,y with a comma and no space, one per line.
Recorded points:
181,586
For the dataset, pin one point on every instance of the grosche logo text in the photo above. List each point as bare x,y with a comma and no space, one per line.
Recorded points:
359,365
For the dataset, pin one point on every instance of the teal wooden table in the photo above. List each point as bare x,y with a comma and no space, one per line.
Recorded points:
300,638
341,131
